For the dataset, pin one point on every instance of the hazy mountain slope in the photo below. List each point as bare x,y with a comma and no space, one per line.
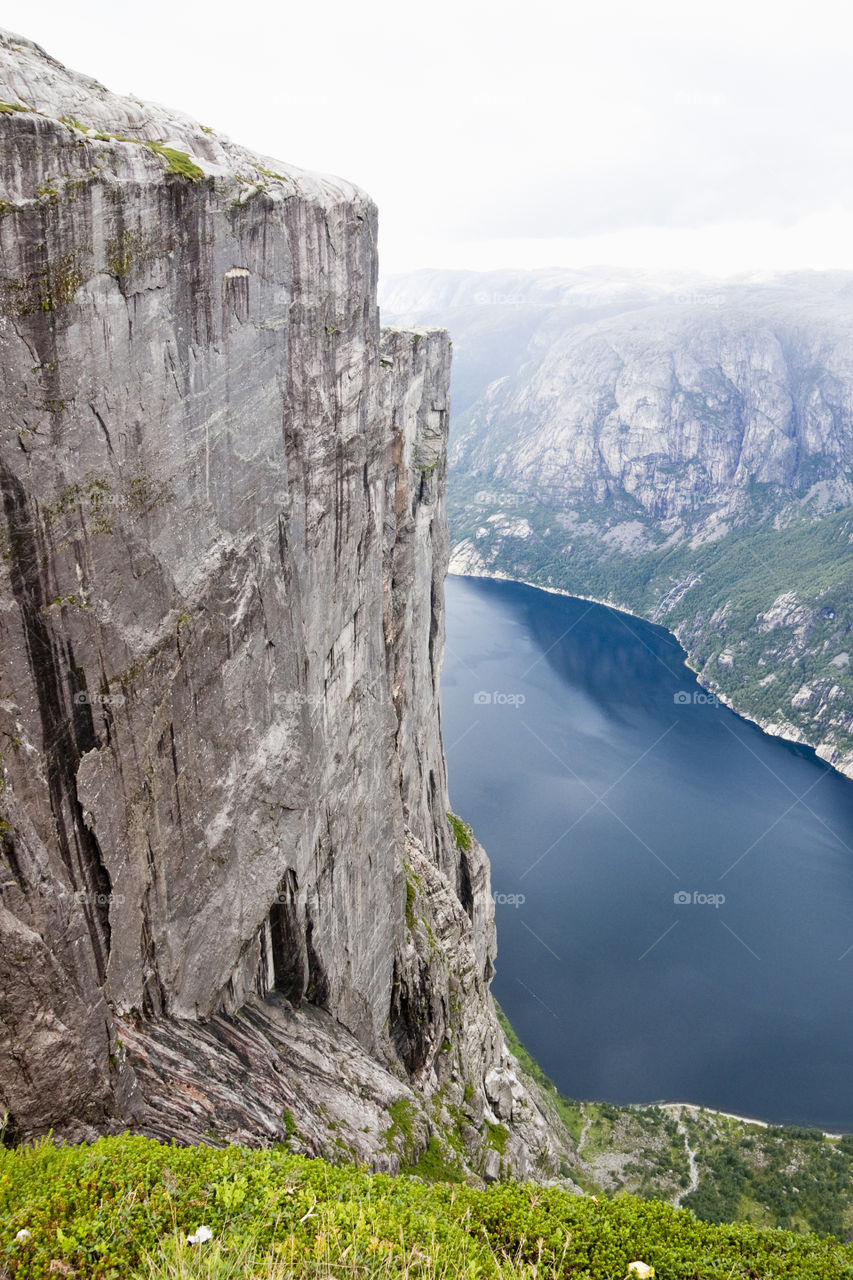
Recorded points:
690,459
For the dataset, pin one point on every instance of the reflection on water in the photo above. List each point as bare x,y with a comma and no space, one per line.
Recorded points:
687,881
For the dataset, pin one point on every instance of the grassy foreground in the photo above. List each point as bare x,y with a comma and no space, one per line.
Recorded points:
124,1207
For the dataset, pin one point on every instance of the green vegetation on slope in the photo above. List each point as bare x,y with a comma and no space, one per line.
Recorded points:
125,1206
791,1177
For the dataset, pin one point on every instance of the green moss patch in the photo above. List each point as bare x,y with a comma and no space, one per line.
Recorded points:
462,833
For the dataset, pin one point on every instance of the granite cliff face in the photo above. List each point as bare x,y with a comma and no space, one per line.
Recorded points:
680,447
233,906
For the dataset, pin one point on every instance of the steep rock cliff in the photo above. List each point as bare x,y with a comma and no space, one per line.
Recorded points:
232,903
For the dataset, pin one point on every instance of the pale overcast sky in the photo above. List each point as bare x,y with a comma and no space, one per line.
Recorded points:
717,136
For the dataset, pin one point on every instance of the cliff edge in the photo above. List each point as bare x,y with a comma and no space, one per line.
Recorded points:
233,906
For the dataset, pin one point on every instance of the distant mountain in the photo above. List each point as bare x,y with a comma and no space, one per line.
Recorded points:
678,446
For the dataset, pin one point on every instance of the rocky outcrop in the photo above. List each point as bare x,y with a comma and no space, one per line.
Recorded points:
232,904
681,448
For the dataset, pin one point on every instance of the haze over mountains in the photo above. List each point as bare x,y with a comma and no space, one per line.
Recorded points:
677,445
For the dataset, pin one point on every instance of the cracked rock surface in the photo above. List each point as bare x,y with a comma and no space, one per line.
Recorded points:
233,907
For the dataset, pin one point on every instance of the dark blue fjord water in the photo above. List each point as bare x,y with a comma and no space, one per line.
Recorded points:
603,784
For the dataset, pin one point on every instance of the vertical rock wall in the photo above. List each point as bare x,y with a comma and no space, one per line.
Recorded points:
221,622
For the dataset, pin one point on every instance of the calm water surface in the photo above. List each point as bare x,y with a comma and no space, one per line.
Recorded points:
603,784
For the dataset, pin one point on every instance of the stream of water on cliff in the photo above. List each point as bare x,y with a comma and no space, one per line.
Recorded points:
674,888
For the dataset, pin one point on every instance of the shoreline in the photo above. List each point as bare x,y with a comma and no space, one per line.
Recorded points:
695,1108
768,729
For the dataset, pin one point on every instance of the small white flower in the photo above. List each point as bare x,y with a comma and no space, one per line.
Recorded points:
203,1234
23,1235
641,1270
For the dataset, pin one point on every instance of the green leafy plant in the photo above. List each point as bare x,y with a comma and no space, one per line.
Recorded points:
127,1206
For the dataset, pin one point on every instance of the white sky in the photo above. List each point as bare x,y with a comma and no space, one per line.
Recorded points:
717,136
